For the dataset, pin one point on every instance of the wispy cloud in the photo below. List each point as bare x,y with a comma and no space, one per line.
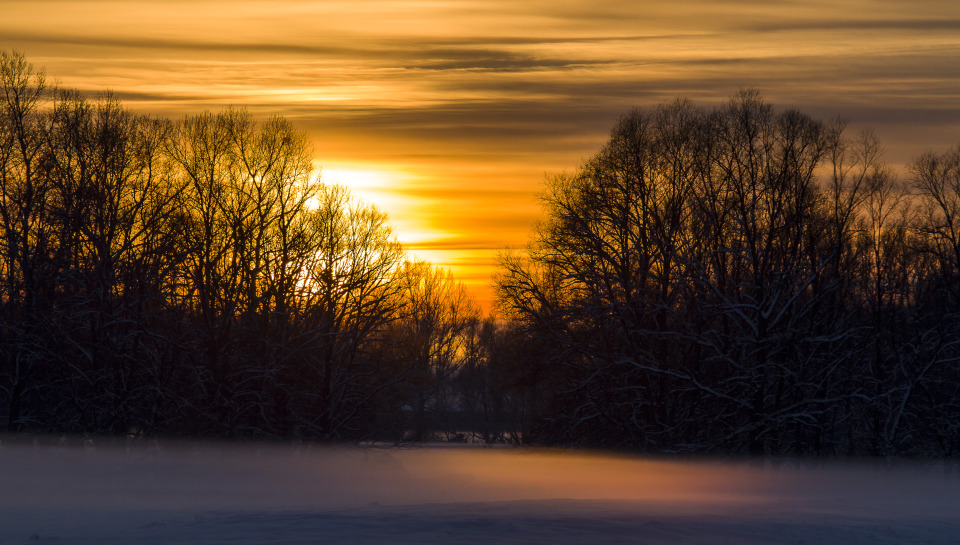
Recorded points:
481,98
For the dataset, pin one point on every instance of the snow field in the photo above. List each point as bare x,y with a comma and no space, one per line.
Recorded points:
257,493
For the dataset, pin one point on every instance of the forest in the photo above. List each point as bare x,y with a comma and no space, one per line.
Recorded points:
735,280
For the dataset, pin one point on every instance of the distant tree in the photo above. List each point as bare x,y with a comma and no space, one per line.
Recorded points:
501,382
432,338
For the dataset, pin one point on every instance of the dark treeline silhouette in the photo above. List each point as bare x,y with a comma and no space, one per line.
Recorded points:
743,280
193,278
733,280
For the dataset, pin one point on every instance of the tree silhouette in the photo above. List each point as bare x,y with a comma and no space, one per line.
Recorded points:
705,280
734,279
190,277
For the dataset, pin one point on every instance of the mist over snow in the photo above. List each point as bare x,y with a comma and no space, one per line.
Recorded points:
146,493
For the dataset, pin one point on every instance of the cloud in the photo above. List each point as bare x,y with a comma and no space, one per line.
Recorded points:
863,24
493,60
479,98
191,45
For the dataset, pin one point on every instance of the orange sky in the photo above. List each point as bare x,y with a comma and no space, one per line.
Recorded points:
448,113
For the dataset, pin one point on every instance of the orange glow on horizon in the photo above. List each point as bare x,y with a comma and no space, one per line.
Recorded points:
419,229
447,114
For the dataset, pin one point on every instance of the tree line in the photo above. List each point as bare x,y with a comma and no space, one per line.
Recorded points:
745,280
735,279
193,277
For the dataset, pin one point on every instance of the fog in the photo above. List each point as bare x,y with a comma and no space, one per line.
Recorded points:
75,491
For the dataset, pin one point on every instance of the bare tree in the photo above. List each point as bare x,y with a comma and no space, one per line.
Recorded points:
924,407
433,334
111,209
194,277
351,294
24,224
683,274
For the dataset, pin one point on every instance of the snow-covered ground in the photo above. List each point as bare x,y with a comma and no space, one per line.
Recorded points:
190,493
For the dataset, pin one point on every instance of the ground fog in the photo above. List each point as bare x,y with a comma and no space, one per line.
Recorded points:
81,492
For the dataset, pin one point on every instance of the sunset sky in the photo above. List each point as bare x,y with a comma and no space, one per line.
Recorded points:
448,113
